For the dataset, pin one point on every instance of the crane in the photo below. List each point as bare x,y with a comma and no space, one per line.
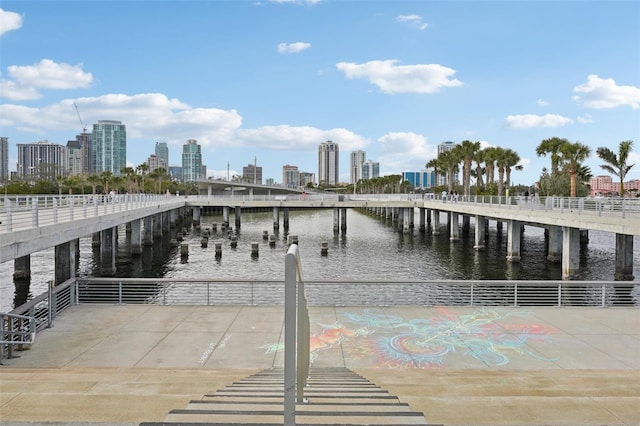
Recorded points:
84,128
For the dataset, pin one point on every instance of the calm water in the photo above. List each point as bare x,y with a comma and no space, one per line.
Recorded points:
372,248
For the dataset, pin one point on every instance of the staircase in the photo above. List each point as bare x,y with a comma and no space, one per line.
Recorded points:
333,396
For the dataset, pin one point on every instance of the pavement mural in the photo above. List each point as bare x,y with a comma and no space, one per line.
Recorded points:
486,335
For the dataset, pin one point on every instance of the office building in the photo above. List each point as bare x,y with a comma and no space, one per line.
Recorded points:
290,176
75,155
175,172
307,178
370,169
252,173
42,161
162,152
191,161
355,165
155,162
444,147
424,179
328,163
108,147
4,159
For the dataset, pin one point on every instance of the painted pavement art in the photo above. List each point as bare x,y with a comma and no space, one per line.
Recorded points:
425,342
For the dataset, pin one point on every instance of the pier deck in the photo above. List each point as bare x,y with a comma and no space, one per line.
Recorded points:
459,365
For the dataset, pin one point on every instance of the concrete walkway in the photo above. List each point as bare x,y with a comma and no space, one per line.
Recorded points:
458,365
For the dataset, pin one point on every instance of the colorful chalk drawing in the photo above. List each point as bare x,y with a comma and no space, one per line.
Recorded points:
424,343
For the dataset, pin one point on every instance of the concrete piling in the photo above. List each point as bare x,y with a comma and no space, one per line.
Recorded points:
234,241
324,248
254,249
265,235
204,242
184,250
218,250
272,240
292,239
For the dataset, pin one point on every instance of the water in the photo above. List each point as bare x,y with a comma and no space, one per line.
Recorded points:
372,248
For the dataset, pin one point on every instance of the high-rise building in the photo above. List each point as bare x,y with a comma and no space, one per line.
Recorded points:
307,178
355,165
176,173
328,163
42,161
155,162
191,161
444,147
370,169
4,159
75,154
290,176
109,147
252,173
162,152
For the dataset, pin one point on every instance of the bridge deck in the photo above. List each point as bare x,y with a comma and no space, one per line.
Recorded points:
458,365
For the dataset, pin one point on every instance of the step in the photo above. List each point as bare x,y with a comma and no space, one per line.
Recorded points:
308,417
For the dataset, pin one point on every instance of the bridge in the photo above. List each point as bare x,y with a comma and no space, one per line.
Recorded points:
33,223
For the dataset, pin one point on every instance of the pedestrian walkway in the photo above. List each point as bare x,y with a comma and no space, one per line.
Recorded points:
129,364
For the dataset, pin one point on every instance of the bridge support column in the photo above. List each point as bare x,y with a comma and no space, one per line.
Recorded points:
225,215
276,218
336,221
466,224
238,216
157,226
173,217
422,219
570,252
285,218
343,220
147,233
514,232
108,251
435,218
454,230
480,232
95,239
554,253
406,227
22,268
136,236
165,222
624,258
65,261
196,214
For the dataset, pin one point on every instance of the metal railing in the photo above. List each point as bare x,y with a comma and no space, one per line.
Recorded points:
15,331
296,335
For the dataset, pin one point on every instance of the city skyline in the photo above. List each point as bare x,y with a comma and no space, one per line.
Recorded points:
270,80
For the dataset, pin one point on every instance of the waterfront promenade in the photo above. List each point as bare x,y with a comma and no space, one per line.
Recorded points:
125,364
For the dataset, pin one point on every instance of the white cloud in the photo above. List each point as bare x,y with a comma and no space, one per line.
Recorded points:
296,47
392,78
600,93
413,20
543,103
298,138
527,121
9,21
25,80
584,119
404,151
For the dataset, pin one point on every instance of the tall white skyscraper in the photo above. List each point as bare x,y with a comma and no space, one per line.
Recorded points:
109,147
370,169
42,161
4,159
162,152
357,158
444,147
328,163
191,161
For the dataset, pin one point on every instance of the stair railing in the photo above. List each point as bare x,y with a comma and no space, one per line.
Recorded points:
296,327
15,330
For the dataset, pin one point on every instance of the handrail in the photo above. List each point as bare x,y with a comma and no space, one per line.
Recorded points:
296,358
15,330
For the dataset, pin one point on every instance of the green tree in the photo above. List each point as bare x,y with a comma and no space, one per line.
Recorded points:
573,154
466,151
511,159
617,164
552,147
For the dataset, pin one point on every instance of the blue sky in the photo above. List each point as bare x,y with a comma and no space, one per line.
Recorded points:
273,79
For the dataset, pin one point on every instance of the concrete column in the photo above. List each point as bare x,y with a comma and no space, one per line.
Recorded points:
624,258
514,233
412,218
108,251
454,230
157,226
435,218
147,233
554,253
22,268
238,216
165,222
136,236
196,214
428,217
343,219
225,214
480,232
466,224
276,218
584,236
422,219
65,261
285,218
570,252
406,227
173,218
95,239
336,220
209,191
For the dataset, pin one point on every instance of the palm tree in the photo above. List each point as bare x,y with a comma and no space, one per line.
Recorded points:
573,154
552,146
490,156
511,159
466,151
502,159
479,158
451,162
617,164
94,180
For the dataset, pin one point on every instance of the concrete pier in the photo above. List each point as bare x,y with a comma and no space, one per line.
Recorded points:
108,251
555,243
570,252
480,233
454,227
514,234
624,258
435,218
22,268
136,236
65,261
